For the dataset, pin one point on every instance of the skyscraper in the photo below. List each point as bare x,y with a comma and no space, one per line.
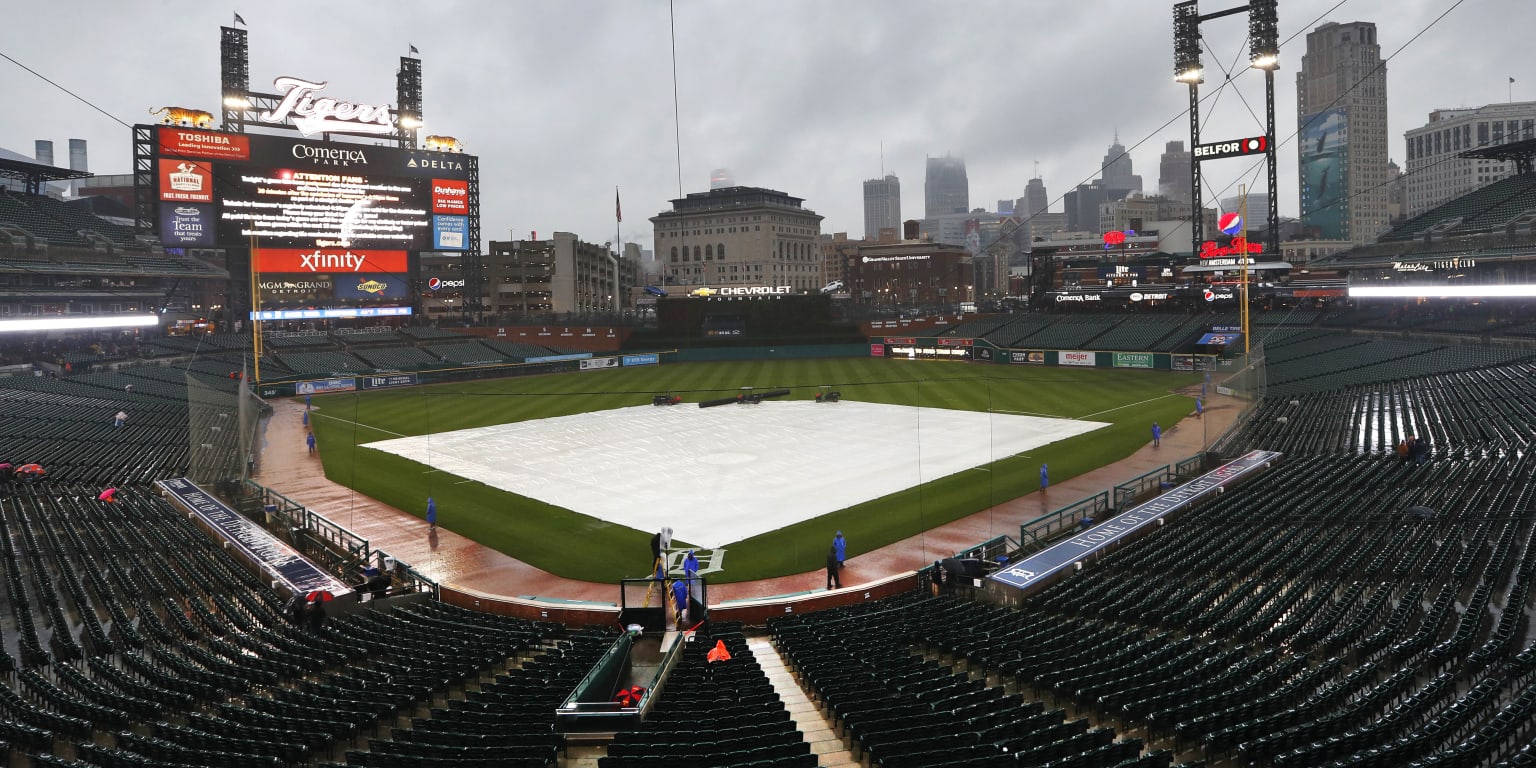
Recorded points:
1116,169
945,188
1036,200
1173,173
1341,104
882,206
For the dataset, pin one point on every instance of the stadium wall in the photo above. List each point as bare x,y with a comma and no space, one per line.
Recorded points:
585,338
752,612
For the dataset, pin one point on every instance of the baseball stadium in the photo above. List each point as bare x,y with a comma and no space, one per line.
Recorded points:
1192,520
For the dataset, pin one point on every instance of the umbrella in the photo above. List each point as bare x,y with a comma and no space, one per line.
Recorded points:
109,494
32,469
5,466
718,653
319,595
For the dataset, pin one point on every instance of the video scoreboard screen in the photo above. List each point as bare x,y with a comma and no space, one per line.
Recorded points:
223,189
328,224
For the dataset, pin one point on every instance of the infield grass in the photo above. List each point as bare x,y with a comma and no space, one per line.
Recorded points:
578,546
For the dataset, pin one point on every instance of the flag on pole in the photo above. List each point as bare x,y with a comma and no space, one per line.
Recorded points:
618,210
239,20
413,48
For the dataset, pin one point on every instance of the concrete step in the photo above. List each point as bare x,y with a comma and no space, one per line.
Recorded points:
808,717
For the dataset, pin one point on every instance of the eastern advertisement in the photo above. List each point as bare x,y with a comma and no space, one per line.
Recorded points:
1133,359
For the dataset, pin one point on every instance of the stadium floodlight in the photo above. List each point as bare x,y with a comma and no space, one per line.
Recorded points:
1186,43
1263,35
407,122
1441,291
78,323
237,102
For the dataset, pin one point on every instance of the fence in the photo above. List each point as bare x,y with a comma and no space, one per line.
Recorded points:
1246,378
221,431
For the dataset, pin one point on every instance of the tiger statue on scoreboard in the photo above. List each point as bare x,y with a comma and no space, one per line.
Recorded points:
195,118
444,144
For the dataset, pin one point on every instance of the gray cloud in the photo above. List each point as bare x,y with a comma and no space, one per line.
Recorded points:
563,101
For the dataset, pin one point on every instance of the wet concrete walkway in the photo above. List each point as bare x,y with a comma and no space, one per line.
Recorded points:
450,559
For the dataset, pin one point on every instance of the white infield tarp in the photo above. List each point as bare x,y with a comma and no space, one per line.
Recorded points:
724,474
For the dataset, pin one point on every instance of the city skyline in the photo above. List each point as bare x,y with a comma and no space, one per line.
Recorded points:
563,104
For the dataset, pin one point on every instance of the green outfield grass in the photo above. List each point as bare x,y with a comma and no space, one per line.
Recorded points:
581,547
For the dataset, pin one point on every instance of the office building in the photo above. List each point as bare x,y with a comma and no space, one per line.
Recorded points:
1341,107
945,187
1036,200
1436,173
561,275
1257,217
905,274
1116,171
1174,171
746,236
882,205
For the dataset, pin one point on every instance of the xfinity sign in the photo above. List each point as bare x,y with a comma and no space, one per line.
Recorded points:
1250,146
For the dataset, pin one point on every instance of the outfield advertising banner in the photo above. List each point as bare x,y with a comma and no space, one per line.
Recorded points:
1133,359
1027,358
877,350
1183,362
391,380
322,386
647,358
597,363
1077,358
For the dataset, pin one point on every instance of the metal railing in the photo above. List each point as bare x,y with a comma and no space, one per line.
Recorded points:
1138,487
330,544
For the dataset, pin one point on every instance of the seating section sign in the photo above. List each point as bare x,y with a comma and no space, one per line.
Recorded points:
1055,559
275,558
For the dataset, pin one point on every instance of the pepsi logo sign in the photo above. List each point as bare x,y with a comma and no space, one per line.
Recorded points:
1230,223
434,283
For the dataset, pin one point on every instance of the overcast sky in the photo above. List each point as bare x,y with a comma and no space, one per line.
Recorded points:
565,100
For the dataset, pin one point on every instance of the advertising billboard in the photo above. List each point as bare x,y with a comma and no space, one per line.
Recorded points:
301,193
184,225
1324,155
1076,357
1133,360
450,233
317,260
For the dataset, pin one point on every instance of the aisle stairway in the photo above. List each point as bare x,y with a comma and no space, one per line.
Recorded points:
808,717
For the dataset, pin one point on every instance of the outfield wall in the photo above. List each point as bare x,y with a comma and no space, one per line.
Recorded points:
983,351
